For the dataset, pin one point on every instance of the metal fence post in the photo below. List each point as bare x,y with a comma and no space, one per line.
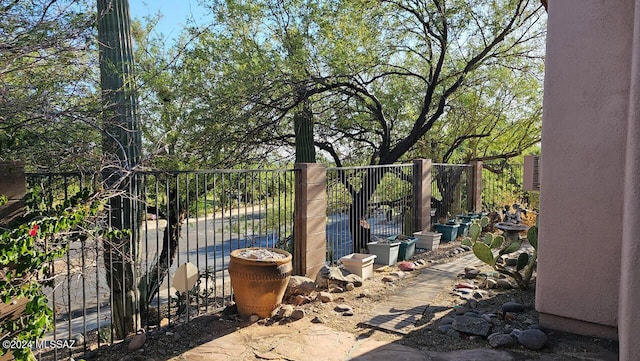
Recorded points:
310,227
474,184
422,194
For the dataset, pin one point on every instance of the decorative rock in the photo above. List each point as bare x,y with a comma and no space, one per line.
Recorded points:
164,322
325,297
532,339
301,300
515,332
513,307
472,303
317,320
497,340
453,333
465,285
327,275
348,313
446,320
285,311
300,285
254,318
398,274
137,341
420,262
350,286
504,284
336,289
406,266
490,283
444,328
478,295
298,314
471,325
471,272
342,308
464,293
461,310
465,248
79,339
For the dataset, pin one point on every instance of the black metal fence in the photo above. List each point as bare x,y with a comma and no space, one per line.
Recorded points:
503,185
214,212
449,190
366,203
199,217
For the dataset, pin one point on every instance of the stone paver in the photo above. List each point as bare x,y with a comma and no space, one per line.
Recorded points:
300,340
403,309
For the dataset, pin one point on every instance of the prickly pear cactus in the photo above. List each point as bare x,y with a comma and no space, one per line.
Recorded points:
489,248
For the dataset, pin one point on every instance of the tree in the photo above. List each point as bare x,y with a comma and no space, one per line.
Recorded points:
378,81
121,146
386,76
48,105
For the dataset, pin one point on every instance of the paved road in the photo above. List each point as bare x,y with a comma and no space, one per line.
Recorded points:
205,242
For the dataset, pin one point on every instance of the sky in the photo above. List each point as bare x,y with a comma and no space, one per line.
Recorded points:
174,14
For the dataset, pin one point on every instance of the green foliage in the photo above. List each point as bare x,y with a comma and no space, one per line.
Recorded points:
484,249
383,80
47,66
27,253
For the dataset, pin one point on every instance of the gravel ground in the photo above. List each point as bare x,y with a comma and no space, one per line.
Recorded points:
180,336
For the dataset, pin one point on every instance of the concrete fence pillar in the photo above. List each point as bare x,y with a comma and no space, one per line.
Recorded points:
422,194
12,180
474,187
310,235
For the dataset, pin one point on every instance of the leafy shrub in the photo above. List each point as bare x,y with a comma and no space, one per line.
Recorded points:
28,249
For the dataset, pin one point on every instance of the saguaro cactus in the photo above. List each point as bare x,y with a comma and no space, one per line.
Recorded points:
121,147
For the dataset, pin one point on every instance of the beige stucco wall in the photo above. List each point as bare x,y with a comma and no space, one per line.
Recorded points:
588,266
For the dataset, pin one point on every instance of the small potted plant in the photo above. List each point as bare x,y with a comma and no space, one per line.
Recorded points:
427,240
386,251
449,230
407,246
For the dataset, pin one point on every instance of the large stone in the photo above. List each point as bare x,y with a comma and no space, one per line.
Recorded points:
497,340
513,307
532,339
285,311
137,341
471,325
471,272
328,275
300,285
504,284
325,297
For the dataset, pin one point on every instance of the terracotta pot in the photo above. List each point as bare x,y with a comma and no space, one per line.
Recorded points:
259,284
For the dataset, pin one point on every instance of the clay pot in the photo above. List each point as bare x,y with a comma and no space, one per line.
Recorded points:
259,284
